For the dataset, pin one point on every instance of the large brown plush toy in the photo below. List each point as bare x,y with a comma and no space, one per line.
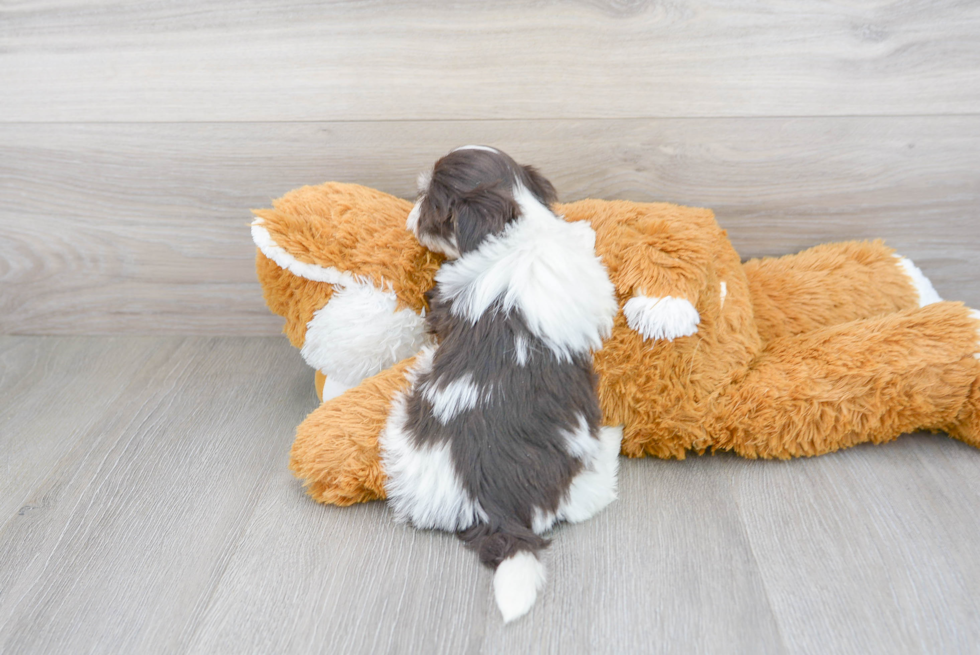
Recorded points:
796,356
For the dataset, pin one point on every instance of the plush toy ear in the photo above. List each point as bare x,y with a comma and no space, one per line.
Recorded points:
482,212
539,185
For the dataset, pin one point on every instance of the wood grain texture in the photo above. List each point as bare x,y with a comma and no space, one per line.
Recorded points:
131,531
352,581
145,504
174,60
111,229
34,381
168,523
868,548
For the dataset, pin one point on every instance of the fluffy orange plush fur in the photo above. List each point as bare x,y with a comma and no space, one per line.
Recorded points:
799,355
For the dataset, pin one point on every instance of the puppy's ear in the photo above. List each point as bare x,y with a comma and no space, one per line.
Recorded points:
539,185
482,212
433,223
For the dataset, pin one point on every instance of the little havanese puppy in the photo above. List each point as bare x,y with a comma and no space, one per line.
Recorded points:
498,436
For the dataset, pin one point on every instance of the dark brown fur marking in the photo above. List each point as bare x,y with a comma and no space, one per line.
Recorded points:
510,451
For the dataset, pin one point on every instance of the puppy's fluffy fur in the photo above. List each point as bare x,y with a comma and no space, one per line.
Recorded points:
499,435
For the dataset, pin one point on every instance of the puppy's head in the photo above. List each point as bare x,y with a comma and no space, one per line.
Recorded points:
469,196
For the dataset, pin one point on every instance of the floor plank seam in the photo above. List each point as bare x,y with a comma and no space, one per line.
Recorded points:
246,523
96,478
755,558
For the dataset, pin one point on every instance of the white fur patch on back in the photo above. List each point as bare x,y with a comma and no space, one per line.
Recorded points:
520,349
422,485
923,286
544,267
661,318
580,443
516,584
542,521
595,486
454,398
724,293
361,332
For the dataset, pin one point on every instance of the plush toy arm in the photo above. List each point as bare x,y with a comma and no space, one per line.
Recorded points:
866,380
664,293
830,284
360,332
661,318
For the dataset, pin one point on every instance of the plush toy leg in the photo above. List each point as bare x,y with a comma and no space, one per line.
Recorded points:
966,427
336,450
832,284
868,380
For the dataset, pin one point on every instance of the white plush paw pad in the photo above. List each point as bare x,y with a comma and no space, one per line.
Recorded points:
516,584
332,388
927,293
662,318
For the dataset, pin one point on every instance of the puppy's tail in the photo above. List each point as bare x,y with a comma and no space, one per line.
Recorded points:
513,552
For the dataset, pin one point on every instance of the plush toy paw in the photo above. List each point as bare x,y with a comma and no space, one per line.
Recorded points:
662,318
331,389
927,293
360,332
327,389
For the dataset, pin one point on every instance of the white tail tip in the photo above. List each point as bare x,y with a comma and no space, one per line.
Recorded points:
516,584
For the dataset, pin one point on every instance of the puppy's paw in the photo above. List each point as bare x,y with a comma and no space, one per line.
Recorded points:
662,318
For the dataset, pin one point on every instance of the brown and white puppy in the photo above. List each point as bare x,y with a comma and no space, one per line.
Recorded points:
498,436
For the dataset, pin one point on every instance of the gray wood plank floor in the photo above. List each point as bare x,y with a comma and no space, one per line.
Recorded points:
146,507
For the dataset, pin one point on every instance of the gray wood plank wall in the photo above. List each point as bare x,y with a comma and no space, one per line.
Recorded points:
135,136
